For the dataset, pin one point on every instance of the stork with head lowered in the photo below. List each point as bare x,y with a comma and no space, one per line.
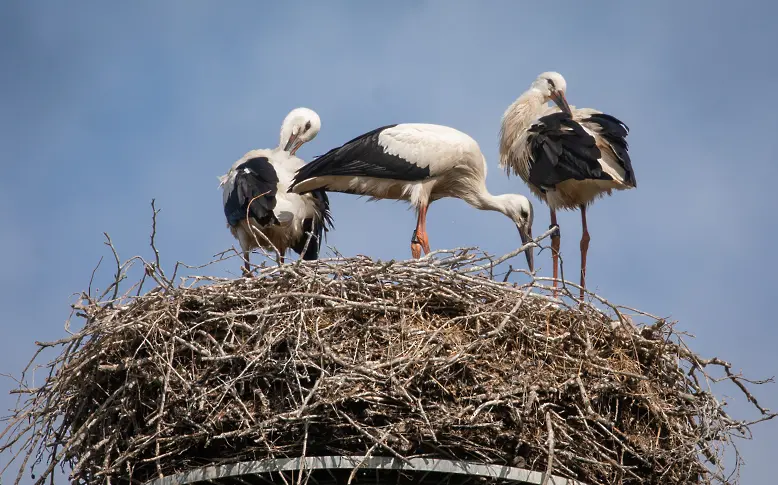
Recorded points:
418,163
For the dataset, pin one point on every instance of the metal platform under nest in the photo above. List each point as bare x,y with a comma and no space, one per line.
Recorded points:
337,470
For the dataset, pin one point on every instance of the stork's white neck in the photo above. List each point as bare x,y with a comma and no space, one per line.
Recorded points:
484,200
525,109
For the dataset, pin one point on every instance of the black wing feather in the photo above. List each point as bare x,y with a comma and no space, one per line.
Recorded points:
254,189
614,132
561,149
315,227
363,156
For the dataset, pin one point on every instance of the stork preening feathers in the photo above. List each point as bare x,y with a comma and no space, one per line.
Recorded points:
419,163
568,157
261,211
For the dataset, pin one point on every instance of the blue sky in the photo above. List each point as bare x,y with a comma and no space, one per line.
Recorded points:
106,106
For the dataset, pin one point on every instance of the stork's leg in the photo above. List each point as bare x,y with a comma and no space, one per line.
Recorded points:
425,243
424,238
246,264
555,243
419,236
584,249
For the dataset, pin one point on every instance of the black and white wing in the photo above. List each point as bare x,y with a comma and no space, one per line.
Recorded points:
250,190
611,136
561,149
368,156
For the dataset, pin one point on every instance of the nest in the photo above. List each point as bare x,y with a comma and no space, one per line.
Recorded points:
430,358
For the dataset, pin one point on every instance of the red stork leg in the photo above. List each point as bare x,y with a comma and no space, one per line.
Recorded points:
419,240
425,239
584,249
555,242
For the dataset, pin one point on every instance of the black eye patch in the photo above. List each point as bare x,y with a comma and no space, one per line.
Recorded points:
308,125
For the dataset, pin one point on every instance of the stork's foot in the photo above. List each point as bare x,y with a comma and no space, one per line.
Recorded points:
415,245
582,297
416,251
555,291
246,272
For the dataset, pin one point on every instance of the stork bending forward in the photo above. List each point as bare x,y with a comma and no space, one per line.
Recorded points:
568,157
419,163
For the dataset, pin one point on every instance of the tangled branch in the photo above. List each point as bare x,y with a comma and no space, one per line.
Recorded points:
352,356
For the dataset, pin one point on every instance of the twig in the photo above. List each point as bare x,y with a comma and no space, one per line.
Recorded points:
550,441
254,232
355,356
512,254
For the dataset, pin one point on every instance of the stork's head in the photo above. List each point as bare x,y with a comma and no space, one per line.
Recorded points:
519,209
553,86
300,125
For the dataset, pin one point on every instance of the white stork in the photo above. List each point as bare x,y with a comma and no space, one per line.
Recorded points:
419,163
255,193
568,157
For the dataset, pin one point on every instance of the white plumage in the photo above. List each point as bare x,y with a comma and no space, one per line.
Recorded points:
300,126
435,146
568,157
256,195
419,163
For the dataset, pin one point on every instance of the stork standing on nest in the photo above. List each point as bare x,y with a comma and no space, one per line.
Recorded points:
256,196
568,157
419,163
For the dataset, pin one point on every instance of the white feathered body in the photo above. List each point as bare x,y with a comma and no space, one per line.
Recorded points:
291,209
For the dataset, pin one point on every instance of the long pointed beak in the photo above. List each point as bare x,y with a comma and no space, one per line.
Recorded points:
290,144
296,147
559,98
526,237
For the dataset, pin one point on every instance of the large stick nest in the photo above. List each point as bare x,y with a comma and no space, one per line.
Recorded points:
360,357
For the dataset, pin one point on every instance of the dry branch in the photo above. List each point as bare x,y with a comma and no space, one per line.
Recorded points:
353,356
